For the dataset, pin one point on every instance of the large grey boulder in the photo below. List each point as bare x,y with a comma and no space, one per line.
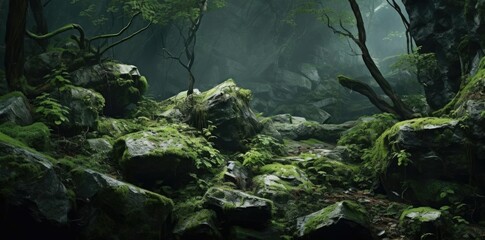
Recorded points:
84,105
120,84
201,225
28,181
342,220
165,154
239,208
226,107
112,209
14,107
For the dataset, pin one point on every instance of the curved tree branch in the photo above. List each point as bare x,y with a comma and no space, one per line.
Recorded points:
61,30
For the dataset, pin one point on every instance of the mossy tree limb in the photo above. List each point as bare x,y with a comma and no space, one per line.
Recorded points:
400,109
60,30
367,91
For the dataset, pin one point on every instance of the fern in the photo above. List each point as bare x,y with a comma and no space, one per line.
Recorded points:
50,110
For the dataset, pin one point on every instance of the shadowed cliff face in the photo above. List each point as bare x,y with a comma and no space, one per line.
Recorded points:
450,30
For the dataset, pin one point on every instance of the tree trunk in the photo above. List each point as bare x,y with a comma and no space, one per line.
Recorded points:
14,43
40,21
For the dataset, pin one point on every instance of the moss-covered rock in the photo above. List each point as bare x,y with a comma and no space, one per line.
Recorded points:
298,128
84,105
226,106
235,207
14,107
120,84
342,220
166,154
115,128
236,173
36,136
200,225
423,223
115,210
366,131
262,150
280,182
419,149
29,183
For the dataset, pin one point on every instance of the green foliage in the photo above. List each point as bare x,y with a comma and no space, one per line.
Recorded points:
423,65
403,158
50,111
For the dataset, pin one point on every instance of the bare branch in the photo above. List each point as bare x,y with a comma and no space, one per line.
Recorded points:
115,34
125,39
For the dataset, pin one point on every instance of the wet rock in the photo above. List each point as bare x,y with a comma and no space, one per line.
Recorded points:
84,105
269,233
422,221
236,173
310,112
99,145
120,84
281,182
166,154
226,107
424,149
298,128
29,183
14,107
116,128
201,225
238,208
342,220
112,209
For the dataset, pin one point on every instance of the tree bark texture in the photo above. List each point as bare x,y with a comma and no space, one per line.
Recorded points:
14,43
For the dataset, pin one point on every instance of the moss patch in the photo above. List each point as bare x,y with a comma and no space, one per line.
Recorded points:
36,136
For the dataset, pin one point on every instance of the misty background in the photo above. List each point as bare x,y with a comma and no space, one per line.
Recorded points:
289,64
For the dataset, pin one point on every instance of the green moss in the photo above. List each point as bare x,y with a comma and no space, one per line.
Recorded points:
115,128
13,94
423,214
364,134
175,140
11,141
36,136
376,159
472,89
346,209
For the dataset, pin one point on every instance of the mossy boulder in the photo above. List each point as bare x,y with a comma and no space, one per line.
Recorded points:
365,132
165,154
36,136
235,207
121,85
115,128
342,220
280,182
112,209
423,223
84,105
200,225
298,128
30,188
14,107
226,106
420,149
236,173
